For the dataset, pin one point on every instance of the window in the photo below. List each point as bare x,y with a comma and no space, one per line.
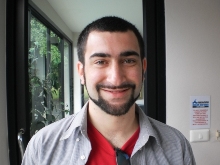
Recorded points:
49,71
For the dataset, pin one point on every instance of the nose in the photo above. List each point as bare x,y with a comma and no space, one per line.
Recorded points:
116,74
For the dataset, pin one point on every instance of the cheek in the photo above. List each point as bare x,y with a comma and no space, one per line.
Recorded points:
92,78
135,76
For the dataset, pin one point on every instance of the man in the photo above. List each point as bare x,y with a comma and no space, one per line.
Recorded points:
110,129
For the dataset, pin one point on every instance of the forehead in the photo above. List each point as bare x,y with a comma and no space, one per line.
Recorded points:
111,42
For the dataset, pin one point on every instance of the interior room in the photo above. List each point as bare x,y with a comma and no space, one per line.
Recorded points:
191,49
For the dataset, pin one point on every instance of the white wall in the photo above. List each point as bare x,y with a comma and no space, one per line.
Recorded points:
193,65
4,158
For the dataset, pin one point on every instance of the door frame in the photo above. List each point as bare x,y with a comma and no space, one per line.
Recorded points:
154,37
16,73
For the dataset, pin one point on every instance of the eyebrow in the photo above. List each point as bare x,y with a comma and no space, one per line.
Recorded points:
100,55
123,54
129,53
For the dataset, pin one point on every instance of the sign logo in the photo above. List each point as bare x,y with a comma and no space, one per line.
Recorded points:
200,104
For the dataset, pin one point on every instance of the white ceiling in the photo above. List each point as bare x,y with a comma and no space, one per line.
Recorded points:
78,13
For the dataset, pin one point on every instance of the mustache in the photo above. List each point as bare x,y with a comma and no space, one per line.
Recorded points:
121,86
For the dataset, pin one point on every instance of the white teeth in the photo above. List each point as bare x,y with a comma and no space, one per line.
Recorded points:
115,90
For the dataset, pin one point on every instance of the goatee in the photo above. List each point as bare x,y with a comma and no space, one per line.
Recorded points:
111,109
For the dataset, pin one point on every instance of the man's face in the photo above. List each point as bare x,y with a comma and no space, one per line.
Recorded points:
113,70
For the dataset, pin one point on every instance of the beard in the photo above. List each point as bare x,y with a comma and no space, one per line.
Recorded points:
109,108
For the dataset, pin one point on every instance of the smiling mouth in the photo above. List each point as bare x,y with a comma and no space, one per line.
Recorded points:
111,88
115,94
115,90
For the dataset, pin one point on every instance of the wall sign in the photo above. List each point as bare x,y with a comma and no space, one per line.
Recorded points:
199,112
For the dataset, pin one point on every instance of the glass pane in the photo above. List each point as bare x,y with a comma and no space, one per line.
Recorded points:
37,58
54,80
49,69
66,78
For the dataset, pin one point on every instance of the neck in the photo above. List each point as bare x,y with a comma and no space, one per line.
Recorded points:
116,129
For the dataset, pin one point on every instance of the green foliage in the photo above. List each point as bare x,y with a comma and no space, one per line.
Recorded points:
44,84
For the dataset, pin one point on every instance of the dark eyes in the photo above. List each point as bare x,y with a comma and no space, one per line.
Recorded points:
100,62
129,61
124,62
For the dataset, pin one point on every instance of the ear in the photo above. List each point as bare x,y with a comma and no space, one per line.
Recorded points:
81,72
144,64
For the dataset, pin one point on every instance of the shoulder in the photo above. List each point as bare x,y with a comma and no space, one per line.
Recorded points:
51,132
166,131
172,140
162,132
45,140
62,128
55,129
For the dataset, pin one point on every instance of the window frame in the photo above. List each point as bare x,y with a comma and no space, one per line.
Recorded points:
17,77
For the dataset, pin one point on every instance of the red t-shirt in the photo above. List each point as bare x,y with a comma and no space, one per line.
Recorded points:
102,152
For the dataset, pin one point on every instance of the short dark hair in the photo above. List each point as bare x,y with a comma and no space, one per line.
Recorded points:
109,24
